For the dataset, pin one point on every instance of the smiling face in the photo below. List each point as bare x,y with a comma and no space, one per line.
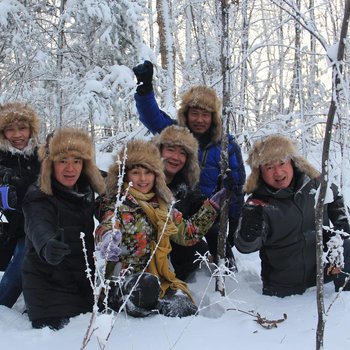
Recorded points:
199,120
18,134
142,179
67,170
174,159
278,174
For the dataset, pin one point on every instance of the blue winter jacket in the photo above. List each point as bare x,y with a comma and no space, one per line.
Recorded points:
156,120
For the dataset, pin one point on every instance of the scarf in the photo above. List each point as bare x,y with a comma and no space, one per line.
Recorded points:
159,264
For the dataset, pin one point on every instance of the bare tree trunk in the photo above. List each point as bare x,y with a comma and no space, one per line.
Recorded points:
150,24
336,72
167,51
59,63
296,71
225,72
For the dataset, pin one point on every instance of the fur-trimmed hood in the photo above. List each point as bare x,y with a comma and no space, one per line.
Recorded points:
69,142
14,112
175,135
272,148
205,98
145,154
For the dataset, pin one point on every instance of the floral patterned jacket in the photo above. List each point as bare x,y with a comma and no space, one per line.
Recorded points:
138,232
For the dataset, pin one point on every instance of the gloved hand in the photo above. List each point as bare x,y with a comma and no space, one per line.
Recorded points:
217,199
228,181
252,223
144,76
54,251
110,245
6,175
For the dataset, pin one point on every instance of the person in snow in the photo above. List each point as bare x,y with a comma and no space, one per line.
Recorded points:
200,111
137,223
178,149
19,167
278,218
58,211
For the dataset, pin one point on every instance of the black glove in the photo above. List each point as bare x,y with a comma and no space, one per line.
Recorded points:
252,223
54,251
228,181
144,76
6,175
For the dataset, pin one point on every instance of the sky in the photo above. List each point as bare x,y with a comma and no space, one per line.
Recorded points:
223,322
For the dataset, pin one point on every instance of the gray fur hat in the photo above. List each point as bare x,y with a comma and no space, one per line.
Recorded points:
175,135
14,112
272,148
69,142
205,98
142,153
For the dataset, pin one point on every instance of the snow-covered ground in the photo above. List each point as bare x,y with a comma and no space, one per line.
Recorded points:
215,327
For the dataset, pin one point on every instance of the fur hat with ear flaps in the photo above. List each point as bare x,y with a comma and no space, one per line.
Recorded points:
272,148
142,153
69,142
14,112
205,98
175,135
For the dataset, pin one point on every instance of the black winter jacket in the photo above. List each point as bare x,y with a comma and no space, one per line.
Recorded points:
25,169
288,239
62,290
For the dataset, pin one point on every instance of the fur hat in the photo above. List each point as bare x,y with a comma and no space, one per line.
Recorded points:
175,135
67,142
13,112
145,154
272,148
205,98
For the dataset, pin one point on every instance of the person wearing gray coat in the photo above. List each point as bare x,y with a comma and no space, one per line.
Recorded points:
278,219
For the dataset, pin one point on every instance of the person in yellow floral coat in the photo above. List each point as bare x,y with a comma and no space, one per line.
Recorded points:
137,222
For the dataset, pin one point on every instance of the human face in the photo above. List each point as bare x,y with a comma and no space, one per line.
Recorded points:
18,134
174,158
67,170
198,120
141,178
278,174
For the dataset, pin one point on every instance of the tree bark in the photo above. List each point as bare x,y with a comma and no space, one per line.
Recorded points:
336,72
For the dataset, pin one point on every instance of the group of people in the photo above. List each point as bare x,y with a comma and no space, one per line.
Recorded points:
157,207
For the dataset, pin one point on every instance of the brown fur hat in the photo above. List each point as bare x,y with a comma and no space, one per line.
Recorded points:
205,98
67,142
272,148
145,154
13,112
175,135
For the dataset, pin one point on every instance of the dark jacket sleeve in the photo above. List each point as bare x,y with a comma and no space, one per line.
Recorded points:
338,211
154,119
41,221
238,172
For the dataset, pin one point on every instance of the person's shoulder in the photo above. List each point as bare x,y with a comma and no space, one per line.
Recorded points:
34,193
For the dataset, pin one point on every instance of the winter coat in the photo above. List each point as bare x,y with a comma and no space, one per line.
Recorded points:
208,156
138,232
287,241
25,167
62,290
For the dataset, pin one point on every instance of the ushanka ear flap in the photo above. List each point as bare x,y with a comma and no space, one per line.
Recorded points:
94,175
303,165
252,181
45,176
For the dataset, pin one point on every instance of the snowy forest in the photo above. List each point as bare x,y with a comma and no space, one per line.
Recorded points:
273,59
